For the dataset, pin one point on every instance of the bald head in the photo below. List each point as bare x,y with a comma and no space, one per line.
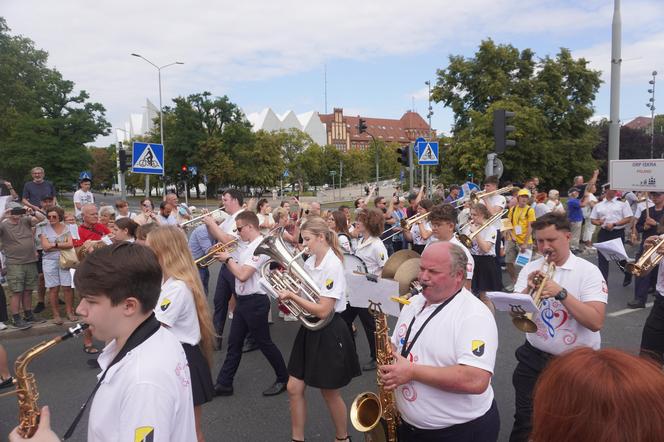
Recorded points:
89,214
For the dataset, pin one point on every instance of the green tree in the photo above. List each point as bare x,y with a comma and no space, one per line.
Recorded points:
103,166
43,121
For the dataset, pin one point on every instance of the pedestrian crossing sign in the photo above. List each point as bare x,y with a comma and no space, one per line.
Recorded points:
148,158
428,153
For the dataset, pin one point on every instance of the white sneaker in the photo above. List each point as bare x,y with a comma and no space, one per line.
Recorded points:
290,318
3,326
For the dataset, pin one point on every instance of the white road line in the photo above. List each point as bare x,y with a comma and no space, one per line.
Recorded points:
628,310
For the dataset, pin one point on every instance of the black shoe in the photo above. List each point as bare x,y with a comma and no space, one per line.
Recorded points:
39,307
628,279
275,389
34,319
222,390
369,366
249,346
92,363
21,324
636,304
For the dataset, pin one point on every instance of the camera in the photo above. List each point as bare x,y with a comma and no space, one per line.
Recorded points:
18,211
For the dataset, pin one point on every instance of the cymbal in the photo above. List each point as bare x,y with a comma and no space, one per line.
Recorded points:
394,262
406,274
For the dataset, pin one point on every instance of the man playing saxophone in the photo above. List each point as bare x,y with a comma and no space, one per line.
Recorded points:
571,313
444,348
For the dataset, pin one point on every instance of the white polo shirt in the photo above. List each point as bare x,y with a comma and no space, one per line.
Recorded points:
145,396
557,330
229,227
329,277
470,266
176,309
487,234
496,200
640,207
372,251
612,212
464,332
247,258
417,235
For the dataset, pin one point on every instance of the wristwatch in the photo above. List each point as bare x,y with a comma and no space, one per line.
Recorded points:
227,259
561,295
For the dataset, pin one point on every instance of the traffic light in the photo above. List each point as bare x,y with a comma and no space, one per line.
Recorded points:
501,129
184,168
362,126
404,156
124,160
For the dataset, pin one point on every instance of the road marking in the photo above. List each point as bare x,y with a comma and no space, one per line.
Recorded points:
628,310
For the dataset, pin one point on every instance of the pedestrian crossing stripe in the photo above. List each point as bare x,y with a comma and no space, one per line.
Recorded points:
428,154
148,160
144,434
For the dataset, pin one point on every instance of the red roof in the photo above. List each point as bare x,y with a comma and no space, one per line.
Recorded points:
639,123
385,129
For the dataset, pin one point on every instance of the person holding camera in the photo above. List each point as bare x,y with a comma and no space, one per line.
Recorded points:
18,244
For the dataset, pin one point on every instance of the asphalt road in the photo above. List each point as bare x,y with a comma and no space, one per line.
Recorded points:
64,380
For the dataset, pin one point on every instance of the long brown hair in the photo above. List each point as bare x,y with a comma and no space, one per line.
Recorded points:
317,226
603,395
170,245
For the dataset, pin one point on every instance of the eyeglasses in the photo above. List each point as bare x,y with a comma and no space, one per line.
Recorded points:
53,217
239,228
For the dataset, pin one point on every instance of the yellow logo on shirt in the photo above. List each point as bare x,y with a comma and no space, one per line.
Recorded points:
165,304
382,256
329,284
477,347
144,434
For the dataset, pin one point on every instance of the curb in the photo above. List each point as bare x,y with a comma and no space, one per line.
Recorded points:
46,328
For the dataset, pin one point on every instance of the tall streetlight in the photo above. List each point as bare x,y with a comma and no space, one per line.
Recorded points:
651,106
161,120
429,115
121,175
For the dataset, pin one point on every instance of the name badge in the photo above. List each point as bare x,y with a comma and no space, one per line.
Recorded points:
518,230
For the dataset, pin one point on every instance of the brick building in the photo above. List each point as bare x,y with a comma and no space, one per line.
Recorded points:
343,134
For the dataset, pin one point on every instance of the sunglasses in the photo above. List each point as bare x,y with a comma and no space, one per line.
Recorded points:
53,217
239,228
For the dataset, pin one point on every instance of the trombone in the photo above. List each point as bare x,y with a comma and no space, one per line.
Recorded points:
467,240
195,222
524,321
475,197
208,259
648,260
407,224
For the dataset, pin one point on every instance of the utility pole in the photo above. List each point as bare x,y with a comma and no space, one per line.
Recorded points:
616,61
651,106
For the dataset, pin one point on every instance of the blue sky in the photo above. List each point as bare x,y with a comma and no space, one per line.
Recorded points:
378,53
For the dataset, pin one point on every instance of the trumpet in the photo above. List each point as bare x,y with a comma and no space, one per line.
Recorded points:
208,259
524,321
475,197
467,240
195,222
647,261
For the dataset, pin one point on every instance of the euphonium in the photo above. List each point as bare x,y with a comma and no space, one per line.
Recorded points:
524,321
26,384
376,415
293,277
649,259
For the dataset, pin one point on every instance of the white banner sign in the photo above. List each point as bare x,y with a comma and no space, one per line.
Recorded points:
637,175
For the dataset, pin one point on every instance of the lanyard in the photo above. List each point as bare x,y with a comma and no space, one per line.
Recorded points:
140,335
405,350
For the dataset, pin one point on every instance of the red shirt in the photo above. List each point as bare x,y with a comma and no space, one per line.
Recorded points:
93,233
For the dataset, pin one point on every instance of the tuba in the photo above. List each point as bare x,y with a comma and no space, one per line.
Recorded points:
26,384
376,415
293,277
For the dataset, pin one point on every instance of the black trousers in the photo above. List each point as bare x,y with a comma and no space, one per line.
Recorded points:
3,305
222,294
250,315
483,429
368,323
643,284
531,363
602,263
652,338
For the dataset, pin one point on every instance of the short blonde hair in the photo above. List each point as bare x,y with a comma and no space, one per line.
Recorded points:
554,194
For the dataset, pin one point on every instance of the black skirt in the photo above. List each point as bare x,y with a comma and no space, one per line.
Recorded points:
324,358
485,275
202,387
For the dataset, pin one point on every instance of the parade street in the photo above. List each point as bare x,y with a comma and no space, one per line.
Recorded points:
64,379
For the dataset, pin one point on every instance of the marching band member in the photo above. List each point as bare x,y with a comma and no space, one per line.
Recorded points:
485,275
265,219
420,233
124,229
443,387
647,224
339,224
251,310
143,392
324,358
443,219
371,250
571,314
652,337
183,309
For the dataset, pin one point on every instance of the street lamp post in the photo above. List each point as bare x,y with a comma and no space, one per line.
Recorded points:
121,175
161,121
429,115
651,106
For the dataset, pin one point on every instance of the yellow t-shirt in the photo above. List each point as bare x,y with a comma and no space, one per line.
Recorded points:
521,218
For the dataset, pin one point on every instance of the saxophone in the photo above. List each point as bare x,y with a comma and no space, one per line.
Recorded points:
26,384
373,414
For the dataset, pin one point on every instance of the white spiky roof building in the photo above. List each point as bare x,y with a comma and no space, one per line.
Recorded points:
308,122
139,124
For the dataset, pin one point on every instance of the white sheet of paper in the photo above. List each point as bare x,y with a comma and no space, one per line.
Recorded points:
524,258
613,250
72,272
361,290
506,302
3,203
